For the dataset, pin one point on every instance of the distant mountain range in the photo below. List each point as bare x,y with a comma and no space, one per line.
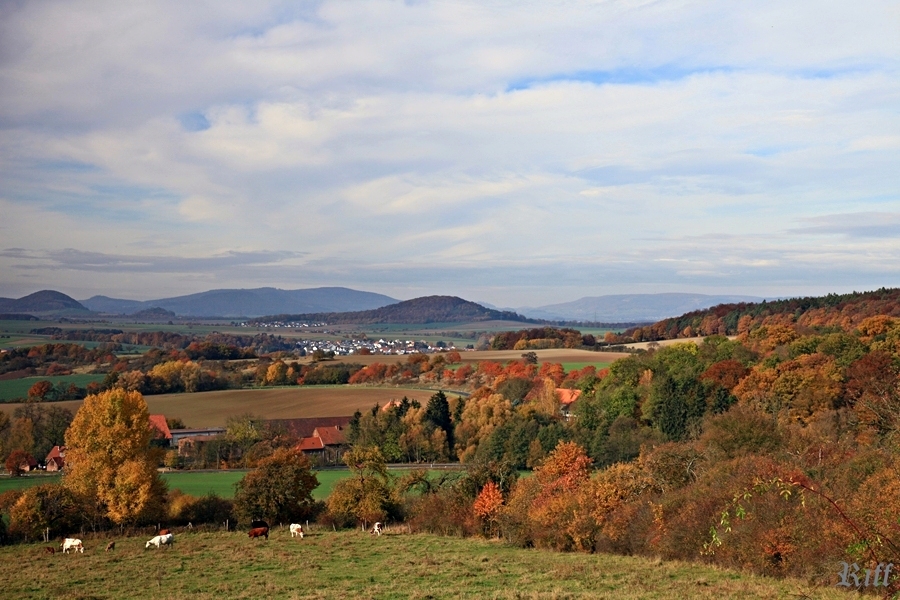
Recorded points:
628,308
428,309
248,303
339,304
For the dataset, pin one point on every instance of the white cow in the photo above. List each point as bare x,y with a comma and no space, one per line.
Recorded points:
73,544
296,529
377,529
161,540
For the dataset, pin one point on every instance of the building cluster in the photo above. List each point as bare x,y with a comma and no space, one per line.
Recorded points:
347,347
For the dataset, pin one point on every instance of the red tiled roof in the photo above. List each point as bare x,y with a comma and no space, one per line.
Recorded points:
56,452
330,436
159,423
567,397
310,443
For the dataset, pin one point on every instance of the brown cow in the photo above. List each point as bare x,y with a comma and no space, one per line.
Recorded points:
110,546
259,532
164,532
49,550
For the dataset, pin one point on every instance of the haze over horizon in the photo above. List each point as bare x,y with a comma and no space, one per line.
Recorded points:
512,153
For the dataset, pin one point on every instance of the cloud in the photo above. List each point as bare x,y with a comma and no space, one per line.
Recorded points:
854,225
548,148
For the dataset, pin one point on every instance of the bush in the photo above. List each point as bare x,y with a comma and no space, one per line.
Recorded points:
47,506
279,490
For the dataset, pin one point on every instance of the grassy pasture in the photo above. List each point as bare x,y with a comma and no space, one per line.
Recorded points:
18,388
200,483
352,564
211,409
222,482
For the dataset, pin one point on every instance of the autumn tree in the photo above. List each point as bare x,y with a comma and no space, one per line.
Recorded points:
541,507
368,495
40,390
48,506
109,461
437,414
279,489
16,461
487,506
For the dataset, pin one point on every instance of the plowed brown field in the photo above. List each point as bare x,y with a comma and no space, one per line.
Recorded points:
211,409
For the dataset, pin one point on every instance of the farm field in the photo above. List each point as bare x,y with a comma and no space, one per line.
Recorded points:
212,409
222,482
555,355
18,388
201,483
353,564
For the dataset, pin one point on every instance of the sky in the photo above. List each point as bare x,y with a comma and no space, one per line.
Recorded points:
518,153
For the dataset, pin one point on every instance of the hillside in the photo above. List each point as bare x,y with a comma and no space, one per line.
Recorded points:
45,301
841,311
248,303
428,309
625,308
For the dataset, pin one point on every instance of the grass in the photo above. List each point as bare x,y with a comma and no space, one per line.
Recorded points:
18,388
222,482
352,564
197,483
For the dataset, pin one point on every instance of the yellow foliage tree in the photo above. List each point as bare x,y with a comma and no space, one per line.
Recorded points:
109,461
479,418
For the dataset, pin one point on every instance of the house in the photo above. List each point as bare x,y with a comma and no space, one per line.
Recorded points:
28,464
328,444
186,440
56,459
162,436
301,428
567,400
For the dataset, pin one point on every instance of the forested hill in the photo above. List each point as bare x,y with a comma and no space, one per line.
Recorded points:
428,309
841,311
45,301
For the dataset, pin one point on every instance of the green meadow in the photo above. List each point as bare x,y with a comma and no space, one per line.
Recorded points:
18,388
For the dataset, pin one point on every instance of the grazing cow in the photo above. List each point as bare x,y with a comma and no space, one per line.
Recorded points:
377,529
72,544
161,540
296,529
110,546
257,532
49,550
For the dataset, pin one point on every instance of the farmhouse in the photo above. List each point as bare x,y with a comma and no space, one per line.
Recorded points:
187,439
28,464
161,434
301,428
328,444
56,459
567,400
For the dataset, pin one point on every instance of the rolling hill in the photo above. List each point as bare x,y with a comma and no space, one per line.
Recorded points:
428,309
44,302
248,303
629,308
834,311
